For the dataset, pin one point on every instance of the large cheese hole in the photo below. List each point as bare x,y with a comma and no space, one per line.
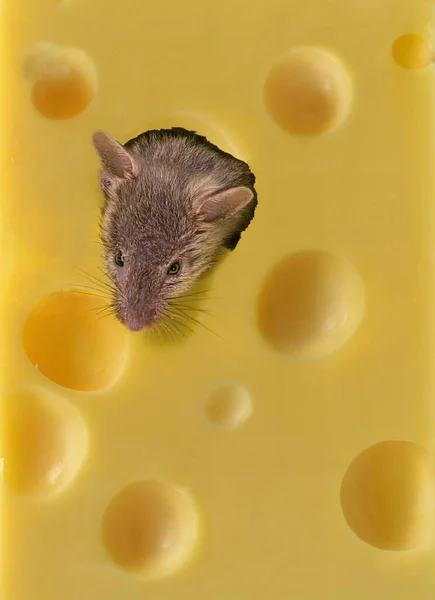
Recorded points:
387,496
411,51
308,92
63,80
310,304
71,344
44,442
150,528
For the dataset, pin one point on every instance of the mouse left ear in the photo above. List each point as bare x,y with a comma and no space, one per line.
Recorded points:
114,157
224,204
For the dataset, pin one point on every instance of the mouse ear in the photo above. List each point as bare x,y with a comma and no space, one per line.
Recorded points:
114,157
224,204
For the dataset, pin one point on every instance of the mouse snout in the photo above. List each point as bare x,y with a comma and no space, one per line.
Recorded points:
139,320
139,306
133,323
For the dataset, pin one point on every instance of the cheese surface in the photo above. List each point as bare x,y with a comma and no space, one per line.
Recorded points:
285,448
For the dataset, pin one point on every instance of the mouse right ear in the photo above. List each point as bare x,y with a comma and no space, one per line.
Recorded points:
114,157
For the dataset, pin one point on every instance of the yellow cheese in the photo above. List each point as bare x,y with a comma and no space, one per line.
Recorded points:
291,455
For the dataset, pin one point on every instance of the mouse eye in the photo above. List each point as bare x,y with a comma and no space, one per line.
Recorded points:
119,260
174,268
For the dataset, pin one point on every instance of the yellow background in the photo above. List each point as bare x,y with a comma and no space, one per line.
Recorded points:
271,520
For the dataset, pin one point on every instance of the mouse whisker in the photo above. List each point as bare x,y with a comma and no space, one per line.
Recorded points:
160,330
93,291
174,318
101,292
98,308
188,317
94,286
199,300
193,309
105,311
109,277
177,325
163,330
199,296
170,331
89,276
103,316
97,281
192,295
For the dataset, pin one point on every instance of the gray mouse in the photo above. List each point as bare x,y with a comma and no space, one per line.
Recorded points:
174,202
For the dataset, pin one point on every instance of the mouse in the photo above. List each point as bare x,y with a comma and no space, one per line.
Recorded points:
174,203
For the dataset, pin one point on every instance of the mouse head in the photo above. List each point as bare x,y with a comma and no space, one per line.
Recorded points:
164,224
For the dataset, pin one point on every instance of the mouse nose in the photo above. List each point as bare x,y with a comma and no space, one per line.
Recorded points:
133,324
138,322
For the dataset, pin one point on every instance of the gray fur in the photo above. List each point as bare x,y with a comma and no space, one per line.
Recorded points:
169,196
